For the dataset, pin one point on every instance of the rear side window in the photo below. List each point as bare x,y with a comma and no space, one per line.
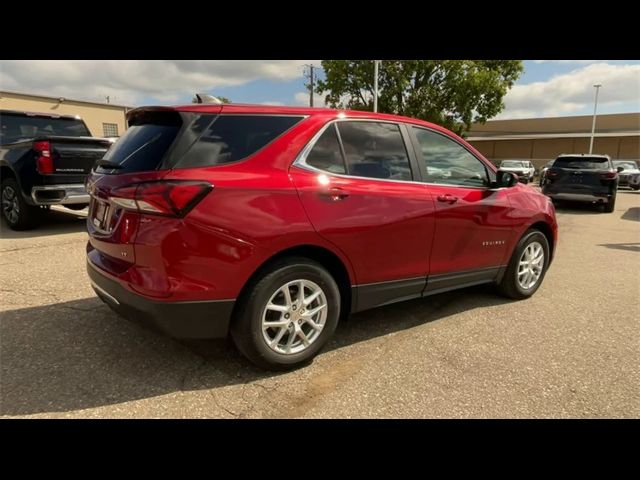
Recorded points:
375,150
326,154
582,163
14,127
230,138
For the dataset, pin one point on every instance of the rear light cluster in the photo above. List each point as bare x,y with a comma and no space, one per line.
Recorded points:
609,175
169,198
44,159
551,174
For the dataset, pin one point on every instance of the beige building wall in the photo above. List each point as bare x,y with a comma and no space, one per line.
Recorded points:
95,115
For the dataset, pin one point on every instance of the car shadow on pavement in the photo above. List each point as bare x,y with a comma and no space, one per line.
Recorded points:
578,208
631,247
52,222
77,355
632,213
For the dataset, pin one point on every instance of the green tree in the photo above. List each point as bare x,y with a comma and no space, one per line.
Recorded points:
451,93
223,99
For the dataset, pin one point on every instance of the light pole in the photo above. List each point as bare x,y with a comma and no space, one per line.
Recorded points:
593,124
375,85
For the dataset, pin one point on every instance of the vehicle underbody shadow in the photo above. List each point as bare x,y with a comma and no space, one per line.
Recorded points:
77,355
51,222
631,247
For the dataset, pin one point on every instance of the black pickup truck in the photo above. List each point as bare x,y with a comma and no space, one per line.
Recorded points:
44,160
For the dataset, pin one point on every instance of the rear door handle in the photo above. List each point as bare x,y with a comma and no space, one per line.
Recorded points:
447,198
335,194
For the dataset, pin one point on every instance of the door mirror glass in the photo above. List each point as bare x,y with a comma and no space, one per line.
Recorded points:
505,179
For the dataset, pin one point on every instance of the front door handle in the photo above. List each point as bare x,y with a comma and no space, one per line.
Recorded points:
335,194
447,198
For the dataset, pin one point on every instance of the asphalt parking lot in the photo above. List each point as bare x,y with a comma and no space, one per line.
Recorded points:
573,350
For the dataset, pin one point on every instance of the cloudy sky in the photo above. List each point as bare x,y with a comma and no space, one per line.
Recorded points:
547,88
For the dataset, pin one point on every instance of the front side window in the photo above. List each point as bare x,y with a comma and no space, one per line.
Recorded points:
448,162
374,150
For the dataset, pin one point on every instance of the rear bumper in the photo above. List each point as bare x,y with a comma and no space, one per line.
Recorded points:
203,319
579,197
72,194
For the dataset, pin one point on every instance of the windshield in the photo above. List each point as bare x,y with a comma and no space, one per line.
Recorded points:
582,163
625,165
15,127
512,163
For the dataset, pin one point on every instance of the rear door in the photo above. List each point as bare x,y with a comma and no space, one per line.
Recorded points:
359,188
473,227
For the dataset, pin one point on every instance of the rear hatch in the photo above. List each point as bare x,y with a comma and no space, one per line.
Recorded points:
581,175
137,157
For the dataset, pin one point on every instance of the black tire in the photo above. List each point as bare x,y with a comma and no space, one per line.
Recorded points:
246,326
77,206
509,285
15,211
610,206
636,188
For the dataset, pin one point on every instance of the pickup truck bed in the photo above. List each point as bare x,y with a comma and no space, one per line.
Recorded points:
40,169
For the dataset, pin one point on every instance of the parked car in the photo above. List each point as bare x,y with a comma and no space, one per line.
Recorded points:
629,175
523,168
271,223
583,178
546,167
44,160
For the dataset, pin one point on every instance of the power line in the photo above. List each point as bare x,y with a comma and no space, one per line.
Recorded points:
309,74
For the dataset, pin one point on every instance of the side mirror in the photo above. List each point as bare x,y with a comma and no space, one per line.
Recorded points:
505,179
619,169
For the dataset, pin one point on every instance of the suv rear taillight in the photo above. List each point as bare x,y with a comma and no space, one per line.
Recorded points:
551,173
172,198
609,175
44,161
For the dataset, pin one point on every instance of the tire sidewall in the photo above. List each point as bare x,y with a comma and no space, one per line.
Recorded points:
263,291
21,205
531,236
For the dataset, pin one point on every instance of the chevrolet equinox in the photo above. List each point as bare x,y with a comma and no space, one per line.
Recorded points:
272,223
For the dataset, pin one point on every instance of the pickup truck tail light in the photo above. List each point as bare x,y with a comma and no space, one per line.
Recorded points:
609,175
171,198
44,160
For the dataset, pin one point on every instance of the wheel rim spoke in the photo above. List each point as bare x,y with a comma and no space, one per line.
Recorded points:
530,265
292,306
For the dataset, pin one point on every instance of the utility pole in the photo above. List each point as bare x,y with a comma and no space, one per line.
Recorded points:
311,83
375,85
107,97
593,124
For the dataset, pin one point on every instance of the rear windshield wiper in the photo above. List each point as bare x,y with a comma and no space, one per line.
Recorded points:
109,165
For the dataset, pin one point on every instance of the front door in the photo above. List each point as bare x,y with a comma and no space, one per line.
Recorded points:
473,227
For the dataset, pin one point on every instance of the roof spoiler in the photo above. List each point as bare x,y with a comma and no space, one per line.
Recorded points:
206,98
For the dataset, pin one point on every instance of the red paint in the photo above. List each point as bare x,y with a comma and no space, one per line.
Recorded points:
260,206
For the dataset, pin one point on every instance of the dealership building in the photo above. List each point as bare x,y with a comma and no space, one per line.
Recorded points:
543,139
103,119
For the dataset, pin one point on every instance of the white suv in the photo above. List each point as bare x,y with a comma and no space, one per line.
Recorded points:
523,168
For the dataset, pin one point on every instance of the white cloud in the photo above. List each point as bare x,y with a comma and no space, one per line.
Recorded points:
275,104
573,91
302,99
128,81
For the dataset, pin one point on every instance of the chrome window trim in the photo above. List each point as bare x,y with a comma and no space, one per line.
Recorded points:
300,160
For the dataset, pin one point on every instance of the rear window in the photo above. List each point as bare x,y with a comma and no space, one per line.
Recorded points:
582,163
512,163
15,127
144,145
230,138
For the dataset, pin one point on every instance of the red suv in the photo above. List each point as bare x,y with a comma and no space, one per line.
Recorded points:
271,223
